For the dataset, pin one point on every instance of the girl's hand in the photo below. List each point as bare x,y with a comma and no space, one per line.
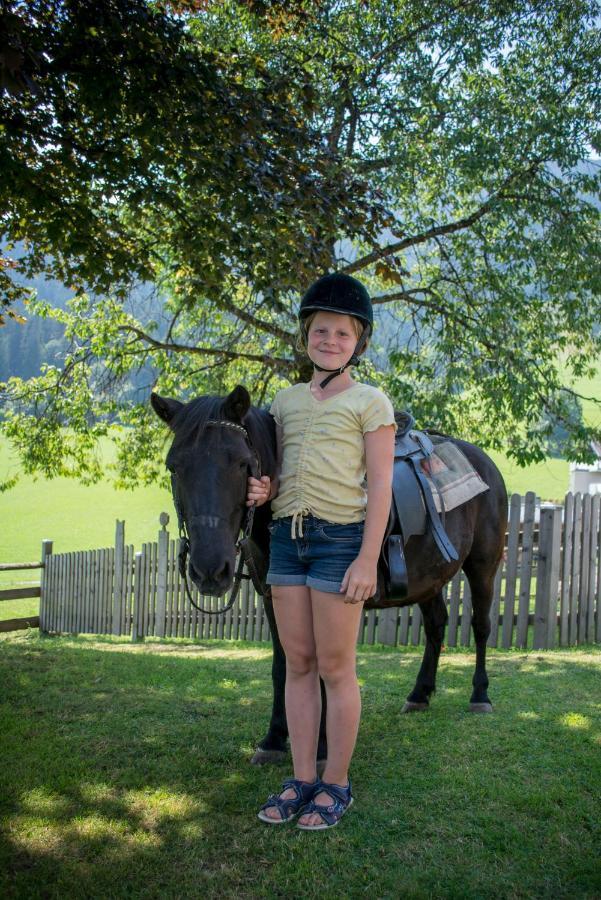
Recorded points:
360,580
258,490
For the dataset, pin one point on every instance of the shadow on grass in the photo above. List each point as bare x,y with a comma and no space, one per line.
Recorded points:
125,773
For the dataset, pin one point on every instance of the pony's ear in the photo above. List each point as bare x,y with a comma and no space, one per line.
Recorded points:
164,407
236,404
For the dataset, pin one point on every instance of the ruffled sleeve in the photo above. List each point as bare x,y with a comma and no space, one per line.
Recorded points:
378,412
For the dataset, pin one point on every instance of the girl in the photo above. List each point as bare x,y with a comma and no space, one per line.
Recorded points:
325,541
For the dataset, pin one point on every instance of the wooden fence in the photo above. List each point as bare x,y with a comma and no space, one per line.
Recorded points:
23,593
547,589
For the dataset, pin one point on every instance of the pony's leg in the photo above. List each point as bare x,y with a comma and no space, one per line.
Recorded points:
481,585
434,614
273,747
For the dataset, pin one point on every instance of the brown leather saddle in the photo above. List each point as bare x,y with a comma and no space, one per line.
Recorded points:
413,510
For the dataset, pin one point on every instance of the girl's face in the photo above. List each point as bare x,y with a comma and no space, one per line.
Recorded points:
331,339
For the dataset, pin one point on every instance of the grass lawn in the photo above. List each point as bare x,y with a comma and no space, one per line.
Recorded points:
125,774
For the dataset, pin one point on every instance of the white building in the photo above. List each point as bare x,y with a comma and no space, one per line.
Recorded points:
587,479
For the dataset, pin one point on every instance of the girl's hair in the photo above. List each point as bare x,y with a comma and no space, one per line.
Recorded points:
304,328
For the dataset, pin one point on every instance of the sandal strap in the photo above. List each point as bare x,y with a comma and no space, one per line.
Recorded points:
304,791
341,797
336,791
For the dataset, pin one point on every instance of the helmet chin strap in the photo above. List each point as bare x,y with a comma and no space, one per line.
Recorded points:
353,361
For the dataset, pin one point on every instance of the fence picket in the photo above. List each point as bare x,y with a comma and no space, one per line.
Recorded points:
137,598
592,572
388,626
566,569
370,629
493,637
511,568
195,615
598,603
575,569
258,613
584,569
265,631
527,556
64,592
89,593
466,613
547,581
161,584
78,592
416,624
454,610
118,594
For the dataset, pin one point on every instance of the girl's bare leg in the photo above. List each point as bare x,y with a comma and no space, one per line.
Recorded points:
294,617
335,628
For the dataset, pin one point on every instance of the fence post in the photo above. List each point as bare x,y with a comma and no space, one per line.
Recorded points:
44,584
547,580
162,564
118,584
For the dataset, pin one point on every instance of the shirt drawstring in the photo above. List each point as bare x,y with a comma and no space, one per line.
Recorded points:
296,527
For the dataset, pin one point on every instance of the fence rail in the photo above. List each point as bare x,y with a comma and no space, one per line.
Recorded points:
547,590
24,593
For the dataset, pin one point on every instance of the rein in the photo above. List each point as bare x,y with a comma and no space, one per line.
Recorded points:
242,546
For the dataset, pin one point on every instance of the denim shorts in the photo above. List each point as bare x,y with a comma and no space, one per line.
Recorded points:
319,558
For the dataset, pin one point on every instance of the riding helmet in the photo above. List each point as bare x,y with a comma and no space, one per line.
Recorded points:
339,293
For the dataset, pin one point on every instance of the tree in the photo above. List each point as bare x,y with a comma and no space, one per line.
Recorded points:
130,150
446,156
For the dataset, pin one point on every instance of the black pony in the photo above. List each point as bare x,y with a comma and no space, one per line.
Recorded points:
211,461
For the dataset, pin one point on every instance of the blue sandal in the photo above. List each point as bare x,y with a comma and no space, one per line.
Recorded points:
342,799
291,806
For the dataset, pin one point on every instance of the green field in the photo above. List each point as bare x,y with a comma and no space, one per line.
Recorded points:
125,773
80,517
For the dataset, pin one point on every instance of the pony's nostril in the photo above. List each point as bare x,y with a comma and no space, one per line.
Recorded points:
223,573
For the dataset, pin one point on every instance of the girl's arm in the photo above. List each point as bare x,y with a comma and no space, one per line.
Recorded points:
266,488
360,580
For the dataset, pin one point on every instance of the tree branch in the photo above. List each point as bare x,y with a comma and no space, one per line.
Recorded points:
271,361
260,324
440,230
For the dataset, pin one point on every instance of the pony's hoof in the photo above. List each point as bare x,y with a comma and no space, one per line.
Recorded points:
268,757
481,707
409,706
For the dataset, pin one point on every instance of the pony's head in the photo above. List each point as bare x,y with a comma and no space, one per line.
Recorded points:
217,443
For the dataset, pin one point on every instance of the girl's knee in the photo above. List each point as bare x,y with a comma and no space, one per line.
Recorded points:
337,669
300,663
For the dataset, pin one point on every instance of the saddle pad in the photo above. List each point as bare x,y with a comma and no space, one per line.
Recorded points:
450,472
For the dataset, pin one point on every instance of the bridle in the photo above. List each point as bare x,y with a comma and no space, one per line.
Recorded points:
243,545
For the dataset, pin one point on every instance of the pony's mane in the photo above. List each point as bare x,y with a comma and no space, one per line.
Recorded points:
191,419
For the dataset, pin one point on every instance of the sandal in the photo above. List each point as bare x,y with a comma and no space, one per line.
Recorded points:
342,799
290,807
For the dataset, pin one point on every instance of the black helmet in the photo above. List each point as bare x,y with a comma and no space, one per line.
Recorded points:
338,293
341,294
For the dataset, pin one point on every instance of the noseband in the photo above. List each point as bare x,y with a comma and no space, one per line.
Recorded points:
242,546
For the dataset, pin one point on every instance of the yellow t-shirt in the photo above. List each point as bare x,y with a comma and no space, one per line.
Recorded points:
323,467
